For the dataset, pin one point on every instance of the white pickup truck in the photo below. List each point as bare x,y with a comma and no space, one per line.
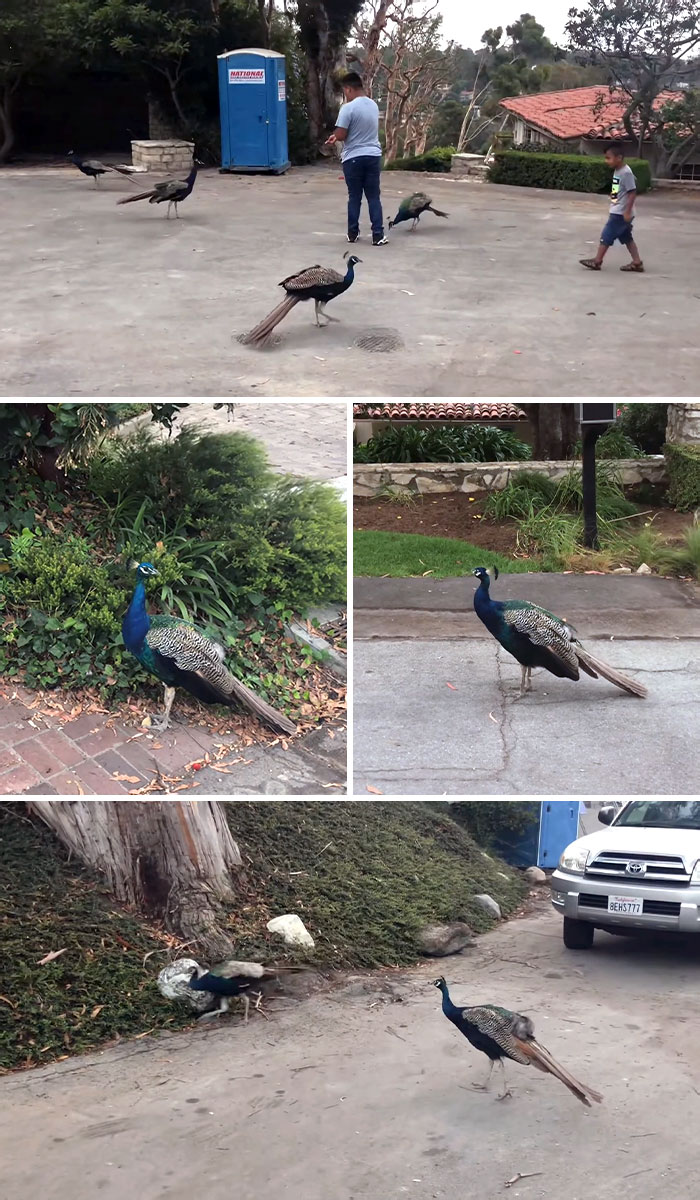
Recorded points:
642,872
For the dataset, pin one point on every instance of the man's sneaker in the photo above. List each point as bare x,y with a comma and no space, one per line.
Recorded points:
382,241
353,237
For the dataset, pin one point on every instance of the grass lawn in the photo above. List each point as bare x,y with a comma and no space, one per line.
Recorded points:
404,554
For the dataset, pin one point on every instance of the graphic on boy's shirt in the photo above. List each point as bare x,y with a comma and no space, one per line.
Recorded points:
615,193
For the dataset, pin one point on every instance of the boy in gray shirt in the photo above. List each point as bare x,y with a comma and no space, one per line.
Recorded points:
357,131
619,224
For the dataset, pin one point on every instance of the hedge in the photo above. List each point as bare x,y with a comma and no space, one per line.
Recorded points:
439,159
683,469
567,172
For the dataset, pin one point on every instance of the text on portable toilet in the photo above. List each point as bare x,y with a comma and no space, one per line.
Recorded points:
281,89
240,75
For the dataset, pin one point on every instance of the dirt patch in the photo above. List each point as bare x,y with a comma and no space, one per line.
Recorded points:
452,515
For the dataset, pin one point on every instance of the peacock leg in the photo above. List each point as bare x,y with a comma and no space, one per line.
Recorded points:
246,1005
484,1087
529,679
325,314
223,1008
167,215
414,225
318,306
176,212
523,682
506,1090
163,722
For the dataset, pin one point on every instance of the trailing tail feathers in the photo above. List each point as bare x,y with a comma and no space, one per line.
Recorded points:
436,212
593,666
265,711
542,1059
141,196
259,335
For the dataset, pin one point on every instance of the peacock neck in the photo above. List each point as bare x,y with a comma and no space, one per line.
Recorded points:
350,274
450,1010
136,621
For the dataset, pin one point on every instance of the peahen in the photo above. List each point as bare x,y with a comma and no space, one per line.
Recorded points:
233,978
320,284
172,190
501,1034
538,638
180,656
411,208
93,168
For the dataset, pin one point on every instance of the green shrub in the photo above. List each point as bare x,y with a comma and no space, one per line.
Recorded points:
516,498
613,444
683,469
439,159
569,172
488,821
645,424
443,443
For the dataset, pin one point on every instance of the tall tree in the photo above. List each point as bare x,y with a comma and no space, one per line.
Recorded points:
555,429
324,26
645,45
174,859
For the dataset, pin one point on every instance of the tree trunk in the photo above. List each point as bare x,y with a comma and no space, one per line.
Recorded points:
555,430
174,859
683,424
325,56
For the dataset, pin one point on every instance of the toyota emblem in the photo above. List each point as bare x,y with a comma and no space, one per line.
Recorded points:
636,868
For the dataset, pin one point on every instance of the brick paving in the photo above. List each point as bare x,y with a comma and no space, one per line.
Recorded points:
92,755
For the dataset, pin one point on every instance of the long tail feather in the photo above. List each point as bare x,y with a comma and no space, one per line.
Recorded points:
265,711
141,196
541,1058
594,666
261,333
437,212
128,173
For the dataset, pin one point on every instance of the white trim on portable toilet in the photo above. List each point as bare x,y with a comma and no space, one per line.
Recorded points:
252,50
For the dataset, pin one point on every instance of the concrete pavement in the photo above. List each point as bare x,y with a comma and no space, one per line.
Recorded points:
108,301
436,707
363,1093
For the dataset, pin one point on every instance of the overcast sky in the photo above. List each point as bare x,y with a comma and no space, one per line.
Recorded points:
464,21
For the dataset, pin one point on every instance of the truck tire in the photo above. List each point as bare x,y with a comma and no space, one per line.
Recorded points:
578,935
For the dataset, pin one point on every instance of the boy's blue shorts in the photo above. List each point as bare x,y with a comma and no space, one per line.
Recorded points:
617,229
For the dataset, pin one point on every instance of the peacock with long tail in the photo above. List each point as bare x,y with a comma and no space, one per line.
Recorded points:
320,284
538,638
236,978
412,207
93,168
501,1034
180,655
174,191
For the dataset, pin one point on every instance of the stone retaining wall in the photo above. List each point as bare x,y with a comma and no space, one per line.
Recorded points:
170,156
369,479
470,166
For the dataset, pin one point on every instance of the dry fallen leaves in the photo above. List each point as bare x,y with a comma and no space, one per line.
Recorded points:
374,791
51,956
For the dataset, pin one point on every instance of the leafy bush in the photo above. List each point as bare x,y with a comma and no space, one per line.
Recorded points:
529,490
569,172
645,424
490,820
683,469
522,490
613,444
442,443
439,159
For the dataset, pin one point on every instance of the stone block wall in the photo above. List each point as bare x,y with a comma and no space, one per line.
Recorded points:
468,166
370,479
170,156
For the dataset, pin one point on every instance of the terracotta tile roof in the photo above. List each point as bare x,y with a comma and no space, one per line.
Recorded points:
578,112
437,410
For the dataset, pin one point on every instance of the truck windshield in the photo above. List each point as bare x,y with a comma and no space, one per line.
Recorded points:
666,814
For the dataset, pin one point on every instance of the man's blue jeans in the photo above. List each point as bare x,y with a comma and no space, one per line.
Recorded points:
362,176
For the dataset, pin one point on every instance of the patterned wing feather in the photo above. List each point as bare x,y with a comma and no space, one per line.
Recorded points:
191,652
507,1029
316,276
415,203
231,967
543,629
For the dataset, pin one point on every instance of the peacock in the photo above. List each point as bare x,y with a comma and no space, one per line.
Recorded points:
411,208
501,1034
235,978
93,168
320,284
172,190
181,656
538,638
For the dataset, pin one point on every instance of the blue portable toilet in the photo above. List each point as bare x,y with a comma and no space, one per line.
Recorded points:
553,825
253,102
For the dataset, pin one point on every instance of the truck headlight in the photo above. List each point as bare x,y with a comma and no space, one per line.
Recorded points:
574,859
695,877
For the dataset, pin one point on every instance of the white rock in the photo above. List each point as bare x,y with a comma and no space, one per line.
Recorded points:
173,983
489,905
292,929
535,875
622,571
643,570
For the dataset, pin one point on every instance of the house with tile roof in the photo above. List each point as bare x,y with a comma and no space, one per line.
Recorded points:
581,121
370,418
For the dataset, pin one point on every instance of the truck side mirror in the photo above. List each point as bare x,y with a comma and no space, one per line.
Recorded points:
606,815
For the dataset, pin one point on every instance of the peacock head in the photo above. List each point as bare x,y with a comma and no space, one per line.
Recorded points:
145,569
351,259
441,983
485,574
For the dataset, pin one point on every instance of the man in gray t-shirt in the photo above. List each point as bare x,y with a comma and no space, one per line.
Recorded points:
357,131
619,224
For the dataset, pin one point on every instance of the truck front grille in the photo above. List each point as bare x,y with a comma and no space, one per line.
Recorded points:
660,869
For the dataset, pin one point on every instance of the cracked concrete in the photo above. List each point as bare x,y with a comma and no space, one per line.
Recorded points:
455,724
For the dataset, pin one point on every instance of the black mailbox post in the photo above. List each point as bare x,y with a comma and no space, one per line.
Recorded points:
594,418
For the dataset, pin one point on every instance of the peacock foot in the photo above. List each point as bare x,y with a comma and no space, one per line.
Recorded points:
160,724
505,1095
480,1087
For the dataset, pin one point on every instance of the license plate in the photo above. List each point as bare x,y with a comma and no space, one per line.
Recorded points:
626,906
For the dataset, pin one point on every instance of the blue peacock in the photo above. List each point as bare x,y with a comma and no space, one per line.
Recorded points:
181,656
411,208
317,283
499,1033
538,638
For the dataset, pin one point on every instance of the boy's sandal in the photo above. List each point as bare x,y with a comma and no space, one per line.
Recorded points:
633,267
590,263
